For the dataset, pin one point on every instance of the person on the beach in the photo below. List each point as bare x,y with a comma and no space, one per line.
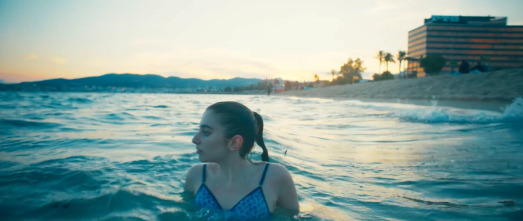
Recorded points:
464,67
227,180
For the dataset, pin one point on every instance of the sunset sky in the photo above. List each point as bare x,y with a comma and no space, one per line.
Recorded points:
214,39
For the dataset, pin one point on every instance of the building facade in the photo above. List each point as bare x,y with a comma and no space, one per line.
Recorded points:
474,39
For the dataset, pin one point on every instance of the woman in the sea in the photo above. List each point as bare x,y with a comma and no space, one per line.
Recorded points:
227,180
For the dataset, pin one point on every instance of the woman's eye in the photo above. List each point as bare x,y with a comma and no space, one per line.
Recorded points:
206,133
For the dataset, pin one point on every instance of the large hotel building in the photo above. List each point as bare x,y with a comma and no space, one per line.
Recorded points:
470,38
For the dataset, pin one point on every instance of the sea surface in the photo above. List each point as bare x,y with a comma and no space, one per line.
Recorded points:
109,156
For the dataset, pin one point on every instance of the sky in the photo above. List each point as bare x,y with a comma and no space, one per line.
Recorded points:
214,39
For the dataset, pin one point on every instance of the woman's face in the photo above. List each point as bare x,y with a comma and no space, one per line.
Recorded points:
211,144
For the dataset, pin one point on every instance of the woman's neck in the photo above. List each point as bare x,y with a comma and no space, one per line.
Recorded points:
233,170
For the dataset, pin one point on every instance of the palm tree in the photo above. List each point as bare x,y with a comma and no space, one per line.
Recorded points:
380,56
400,56
388,58
333,73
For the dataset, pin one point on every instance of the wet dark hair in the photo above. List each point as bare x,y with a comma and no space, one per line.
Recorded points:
237,119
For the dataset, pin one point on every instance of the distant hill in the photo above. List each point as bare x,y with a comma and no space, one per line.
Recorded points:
128,81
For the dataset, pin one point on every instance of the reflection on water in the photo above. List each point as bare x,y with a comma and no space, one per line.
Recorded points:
124,156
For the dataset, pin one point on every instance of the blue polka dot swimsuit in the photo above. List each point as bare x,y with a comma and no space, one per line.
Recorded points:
251,207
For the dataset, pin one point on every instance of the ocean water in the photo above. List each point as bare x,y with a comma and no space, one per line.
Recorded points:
103,156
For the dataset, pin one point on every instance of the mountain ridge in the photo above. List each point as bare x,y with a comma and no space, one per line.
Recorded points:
130,81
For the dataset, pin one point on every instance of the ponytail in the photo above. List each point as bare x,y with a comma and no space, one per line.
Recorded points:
259,136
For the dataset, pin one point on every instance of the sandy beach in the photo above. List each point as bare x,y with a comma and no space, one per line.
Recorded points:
497,86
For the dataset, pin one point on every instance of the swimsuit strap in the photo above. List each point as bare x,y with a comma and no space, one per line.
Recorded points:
264,172
203,173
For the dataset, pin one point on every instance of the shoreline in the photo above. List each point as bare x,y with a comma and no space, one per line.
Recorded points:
497,88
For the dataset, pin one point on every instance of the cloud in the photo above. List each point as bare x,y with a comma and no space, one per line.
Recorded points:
32,56
58,60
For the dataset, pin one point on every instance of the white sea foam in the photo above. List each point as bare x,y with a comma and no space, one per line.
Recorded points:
514,111
511,114
432,113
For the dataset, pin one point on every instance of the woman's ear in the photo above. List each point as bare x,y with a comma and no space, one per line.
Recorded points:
235,143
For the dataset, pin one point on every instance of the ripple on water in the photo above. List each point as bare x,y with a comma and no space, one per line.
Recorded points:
13,124
132,205
80,100
161,106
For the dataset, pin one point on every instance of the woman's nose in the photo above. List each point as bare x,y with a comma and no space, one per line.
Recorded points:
195,139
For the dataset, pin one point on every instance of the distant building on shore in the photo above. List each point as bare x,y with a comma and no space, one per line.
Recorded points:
471,38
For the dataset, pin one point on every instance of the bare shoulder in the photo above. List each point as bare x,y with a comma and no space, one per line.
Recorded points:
197,168
279,173
193,177
283,184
